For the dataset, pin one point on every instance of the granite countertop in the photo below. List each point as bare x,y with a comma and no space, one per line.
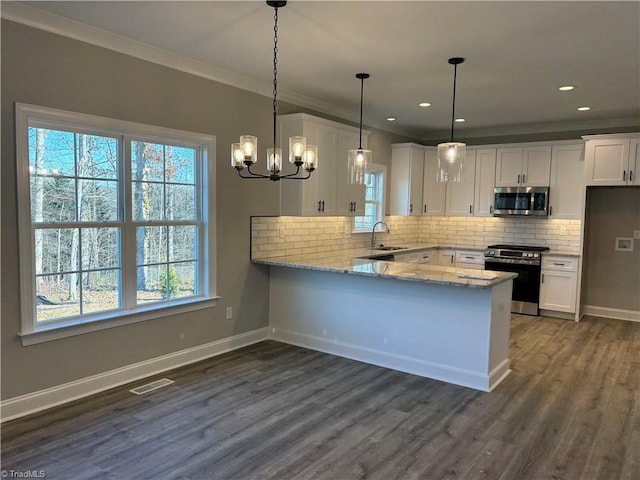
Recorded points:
351,262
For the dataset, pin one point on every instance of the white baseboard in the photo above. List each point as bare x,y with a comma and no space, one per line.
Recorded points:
608,312
423,368
50,397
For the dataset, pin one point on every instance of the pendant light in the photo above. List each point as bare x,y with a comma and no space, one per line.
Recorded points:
244,153
359,158
451,154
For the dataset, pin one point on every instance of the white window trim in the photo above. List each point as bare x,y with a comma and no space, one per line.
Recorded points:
383,169
30,332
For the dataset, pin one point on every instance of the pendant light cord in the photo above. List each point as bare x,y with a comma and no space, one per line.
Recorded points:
275,73
361,102
453,109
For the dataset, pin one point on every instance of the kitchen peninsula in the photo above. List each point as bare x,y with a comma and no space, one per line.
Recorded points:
445,323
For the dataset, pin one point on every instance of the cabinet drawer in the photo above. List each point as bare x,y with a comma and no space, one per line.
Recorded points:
469,257
559,262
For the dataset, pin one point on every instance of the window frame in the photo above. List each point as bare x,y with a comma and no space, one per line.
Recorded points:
381,200
31,115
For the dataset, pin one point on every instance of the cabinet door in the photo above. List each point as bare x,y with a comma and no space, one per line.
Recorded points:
485,182
607,161
566,189
447,258
536,166
433,193
460,195
326,173
558,291
634,162
509,167
416,178
349,198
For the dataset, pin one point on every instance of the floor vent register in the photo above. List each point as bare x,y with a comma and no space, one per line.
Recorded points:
150,387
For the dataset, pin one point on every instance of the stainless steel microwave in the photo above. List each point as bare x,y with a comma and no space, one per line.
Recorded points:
521,201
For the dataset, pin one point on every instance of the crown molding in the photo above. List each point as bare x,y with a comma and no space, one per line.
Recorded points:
585,125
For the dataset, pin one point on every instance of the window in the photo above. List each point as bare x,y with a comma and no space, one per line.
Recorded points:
374,199
114,218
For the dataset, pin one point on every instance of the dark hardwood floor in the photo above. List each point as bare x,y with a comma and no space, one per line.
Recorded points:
569,410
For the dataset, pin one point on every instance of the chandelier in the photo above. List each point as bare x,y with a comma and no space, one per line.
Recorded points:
451,154
302,156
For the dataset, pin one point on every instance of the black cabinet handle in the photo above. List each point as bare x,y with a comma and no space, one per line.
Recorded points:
624,175
523,178
319,205
411,208
425,208
631,175
518,179
550,209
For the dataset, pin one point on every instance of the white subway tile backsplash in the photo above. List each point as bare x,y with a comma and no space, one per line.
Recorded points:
272,237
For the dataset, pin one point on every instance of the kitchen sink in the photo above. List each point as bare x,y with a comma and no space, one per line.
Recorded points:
389,248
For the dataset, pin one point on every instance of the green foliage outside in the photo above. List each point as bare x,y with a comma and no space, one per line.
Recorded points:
172,290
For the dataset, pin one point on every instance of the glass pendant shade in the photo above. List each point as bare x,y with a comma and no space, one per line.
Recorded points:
311,158
451,156
237,158
297,147
274,160
249,148
358,162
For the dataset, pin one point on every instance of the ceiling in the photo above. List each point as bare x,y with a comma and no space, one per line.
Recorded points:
517,55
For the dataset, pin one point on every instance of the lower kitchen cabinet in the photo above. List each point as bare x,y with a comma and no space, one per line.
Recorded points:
470,259
558,283
447,258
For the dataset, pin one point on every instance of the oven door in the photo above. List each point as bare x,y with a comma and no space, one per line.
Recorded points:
526,286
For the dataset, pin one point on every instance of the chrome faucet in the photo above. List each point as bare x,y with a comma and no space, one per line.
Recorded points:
373,233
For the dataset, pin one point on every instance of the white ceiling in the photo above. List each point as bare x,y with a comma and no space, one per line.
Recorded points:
517,55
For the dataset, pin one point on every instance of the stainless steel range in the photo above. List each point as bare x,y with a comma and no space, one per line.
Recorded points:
524,260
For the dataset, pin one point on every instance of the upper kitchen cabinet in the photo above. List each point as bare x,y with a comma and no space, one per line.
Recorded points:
350,199
485,182
407,174
459,196
327,192
612,159
433,192
566,188
523,166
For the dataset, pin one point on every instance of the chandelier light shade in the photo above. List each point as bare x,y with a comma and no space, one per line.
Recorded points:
245,153
451,154
359,159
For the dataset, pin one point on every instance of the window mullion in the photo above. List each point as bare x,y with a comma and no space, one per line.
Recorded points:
128,253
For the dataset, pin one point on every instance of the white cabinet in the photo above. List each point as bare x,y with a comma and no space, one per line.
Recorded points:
350,199
320,194
422,257
609,160
447,258
459,196
485,182
407,172
558,283
470,259
566,187
433,192
523,166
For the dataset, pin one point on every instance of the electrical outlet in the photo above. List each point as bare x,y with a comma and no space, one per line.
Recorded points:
229,313
281,232
433,226
636,234
563,231
480,227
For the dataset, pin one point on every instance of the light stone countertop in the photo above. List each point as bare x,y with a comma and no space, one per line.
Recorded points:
351,262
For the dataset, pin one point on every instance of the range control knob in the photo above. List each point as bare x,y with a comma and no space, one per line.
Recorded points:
536,255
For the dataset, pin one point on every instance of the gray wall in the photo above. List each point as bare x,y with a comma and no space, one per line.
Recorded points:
611,278
49,70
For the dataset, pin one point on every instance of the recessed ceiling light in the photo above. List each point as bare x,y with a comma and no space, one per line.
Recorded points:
425,104
391,119
460,120
566,88
584,109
